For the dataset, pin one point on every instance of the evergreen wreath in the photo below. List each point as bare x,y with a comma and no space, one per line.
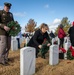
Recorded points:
14,28
70,53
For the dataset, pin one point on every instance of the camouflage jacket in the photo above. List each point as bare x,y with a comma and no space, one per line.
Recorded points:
5,17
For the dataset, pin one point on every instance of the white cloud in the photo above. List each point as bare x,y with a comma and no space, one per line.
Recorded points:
1,7
20,14
22,27
56,21
54,24
53,28
23,30
46,6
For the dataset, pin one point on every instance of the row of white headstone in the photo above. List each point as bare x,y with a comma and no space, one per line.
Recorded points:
66,44
14,42
28,60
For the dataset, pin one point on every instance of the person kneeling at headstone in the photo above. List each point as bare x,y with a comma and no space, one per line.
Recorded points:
38,38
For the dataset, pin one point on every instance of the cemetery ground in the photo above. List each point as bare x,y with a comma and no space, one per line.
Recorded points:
65,67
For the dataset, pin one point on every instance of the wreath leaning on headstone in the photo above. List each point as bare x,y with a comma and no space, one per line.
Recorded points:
70,53
14,28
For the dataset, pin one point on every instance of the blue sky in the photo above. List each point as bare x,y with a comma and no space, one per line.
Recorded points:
47,11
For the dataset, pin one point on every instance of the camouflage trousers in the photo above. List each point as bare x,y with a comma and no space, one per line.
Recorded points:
5,44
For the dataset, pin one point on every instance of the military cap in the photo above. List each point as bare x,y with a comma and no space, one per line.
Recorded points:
8,4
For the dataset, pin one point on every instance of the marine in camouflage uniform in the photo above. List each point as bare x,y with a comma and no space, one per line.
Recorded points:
5,39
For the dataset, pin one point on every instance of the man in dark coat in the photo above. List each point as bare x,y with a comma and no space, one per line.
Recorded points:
71,34
5,39
52,35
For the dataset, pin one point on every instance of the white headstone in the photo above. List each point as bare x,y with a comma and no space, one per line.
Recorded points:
67,45
14,45
22,40
58,41
65,40
27,61
13,38
53,40
27,40
56,38
54,55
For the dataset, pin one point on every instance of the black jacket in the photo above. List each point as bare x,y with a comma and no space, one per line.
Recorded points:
71,32
38,39
52,35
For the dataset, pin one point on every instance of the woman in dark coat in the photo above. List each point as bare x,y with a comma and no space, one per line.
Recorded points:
71,34
38,38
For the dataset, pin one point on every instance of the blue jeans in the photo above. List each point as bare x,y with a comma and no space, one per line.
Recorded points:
18,40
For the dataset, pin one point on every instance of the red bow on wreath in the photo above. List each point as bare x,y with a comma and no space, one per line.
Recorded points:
55,42
13,28
72,51
63,50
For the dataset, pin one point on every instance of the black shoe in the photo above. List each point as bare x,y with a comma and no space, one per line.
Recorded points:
19,48
44,57
8,59
5,64
36,56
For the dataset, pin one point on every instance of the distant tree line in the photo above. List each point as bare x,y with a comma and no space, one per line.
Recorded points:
31,25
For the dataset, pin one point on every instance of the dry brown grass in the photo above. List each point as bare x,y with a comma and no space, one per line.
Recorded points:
13,68
65,67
